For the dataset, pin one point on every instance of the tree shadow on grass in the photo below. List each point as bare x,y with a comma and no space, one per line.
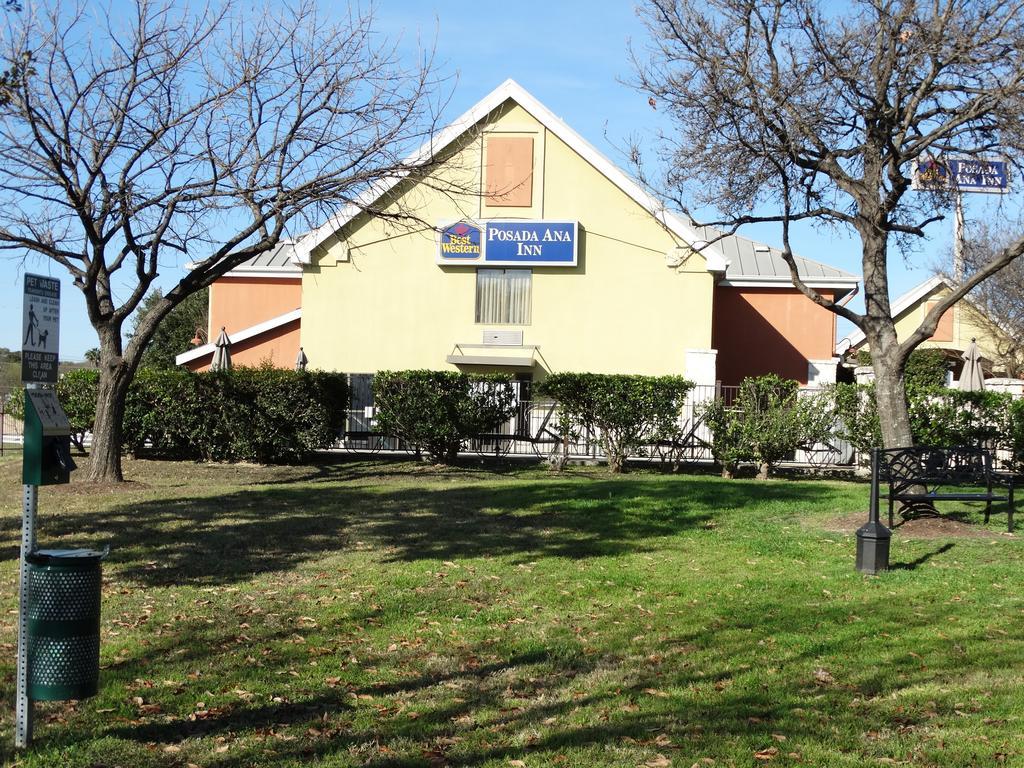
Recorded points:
224,539
528,703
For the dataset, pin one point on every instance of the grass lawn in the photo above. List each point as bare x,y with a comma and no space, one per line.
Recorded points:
394,614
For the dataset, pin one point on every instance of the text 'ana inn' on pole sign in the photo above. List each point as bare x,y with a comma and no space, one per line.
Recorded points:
40,330
962,174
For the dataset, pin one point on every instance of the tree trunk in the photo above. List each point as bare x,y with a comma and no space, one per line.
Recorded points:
880,332
763,470
115,377
728,471
890,388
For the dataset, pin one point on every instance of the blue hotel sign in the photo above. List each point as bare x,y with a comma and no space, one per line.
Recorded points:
979,175
964,173
509,243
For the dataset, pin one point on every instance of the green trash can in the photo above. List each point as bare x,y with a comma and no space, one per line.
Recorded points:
63,612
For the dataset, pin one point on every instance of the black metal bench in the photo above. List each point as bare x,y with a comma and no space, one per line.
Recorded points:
920,476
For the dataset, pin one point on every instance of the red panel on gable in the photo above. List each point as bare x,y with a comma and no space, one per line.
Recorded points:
508,171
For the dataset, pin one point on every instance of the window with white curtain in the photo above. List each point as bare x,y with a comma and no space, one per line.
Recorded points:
503,296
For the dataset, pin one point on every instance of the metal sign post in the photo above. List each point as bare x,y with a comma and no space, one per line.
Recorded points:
23,706
39,355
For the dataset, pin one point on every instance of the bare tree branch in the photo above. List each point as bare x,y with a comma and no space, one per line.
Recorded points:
143,138
791,110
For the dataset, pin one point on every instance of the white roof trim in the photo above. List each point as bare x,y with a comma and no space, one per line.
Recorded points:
282,273
510,89
239,336
771,282
856,337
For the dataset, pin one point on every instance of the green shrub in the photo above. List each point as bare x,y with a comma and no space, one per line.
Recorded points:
626,411
938,416
14,405
767,422
857,412
264,414
728,441
282,416
1014,439
179,414
439,410
925,368
949,417
77,392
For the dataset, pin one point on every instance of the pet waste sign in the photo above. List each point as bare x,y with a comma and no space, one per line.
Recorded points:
40,330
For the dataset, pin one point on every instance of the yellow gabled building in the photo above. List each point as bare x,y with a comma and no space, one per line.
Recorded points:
526,251
535,254
958,326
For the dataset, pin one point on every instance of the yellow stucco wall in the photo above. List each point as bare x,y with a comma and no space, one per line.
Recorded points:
620,310
966,325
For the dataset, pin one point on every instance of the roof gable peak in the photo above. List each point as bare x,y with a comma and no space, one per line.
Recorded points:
510,89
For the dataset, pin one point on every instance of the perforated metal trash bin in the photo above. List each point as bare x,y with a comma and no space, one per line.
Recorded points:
63,623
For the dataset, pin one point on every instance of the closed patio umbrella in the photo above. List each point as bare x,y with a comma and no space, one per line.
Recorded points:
222,353
972,378
301,361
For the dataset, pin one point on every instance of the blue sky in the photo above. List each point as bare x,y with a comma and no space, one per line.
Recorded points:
573,58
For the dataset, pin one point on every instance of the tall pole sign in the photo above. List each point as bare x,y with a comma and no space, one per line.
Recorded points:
959,175
40,333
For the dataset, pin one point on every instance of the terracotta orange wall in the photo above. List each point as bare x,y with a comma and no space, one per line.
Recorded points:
769,330
237,303
280,346
944,330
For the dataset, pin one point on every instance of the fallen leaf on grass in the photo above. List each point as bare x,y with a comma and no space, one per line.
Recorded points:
658,761
766,754
823,677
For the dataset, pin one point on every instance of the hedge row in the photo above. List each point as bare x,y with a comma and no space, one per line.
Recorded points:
938,416
264,414
269,415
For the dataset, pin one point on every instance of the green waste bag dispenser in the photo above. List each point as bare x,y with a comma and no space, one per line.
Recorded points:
47,459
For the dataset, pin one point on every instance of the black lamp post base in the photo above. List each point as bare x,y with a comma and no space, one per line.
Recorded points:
873,548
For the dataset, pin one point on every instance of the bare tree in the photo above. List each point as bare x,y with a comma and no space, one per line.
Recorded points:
998,302
793,110
134,141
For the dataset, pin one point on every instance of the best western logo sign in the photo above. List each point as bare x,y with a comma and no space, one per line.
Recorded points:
509,243
460,242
